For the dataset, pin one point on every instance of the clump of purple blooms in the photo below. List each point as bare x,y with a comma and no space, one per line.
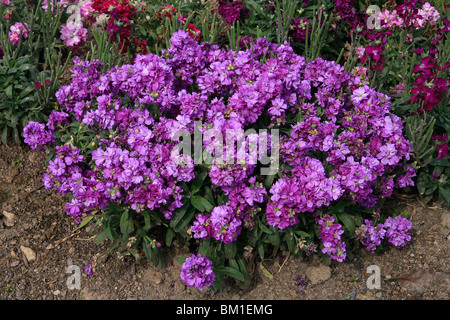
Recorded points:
396,230
35,134
197,271
370,235
338,140
330,234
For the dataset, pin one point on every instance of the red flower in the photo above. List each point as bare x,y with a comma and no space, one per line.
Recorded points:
194,32
39,85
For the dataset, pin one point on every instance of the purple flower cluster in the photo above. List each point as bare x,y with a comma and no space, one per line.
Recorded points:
396,230
307,189
36,135
370,235
330,234
197,271
338,139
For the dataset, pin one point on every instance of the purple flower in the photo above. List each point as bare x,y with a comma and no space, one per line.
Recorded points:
370,235
397,230
330,234
88,270
197,271
226,225
35,135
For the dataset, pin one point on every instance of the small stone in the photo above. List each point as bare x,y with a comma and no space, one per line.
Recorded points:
56,292
318,274
9,219
14,263
29,253
388,277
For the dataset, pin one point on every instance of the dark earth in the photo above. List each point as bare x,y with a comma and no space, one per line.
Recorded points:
37,244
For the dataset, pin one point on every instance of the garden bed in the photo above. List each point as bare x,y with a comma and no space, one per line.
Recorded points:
41,222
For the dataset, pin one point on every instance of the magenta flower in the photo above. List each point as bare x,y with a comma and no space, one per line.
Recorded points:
16,30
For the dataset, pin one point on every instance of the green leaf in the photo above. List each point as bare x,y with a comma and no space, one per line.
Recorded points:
147,221
84,222
112,234
209,194
100,237
4,135
261,250
445,193
198,182
181,260
169,236
348,221
201,204
231,272
178,214
186,219
126,223
8,91
302,234
230,250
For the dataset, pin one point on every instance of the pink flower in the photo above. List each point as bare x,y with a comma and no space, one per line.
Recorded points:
73,33
15,31
360,52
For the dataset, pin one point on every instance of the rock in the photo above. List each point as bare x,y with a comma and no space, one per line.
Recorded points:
15,263
9,219
318,274
29,254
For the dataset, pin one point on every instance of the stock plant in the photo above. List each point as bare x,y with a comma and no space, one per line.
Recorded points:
336,151
402,49
30,65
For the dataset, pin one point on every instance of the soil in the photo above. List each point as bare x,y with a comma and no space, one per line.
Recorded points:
32,217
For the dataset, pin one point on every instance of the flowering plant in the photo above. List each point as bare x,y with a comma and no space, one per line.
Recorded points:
115,140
